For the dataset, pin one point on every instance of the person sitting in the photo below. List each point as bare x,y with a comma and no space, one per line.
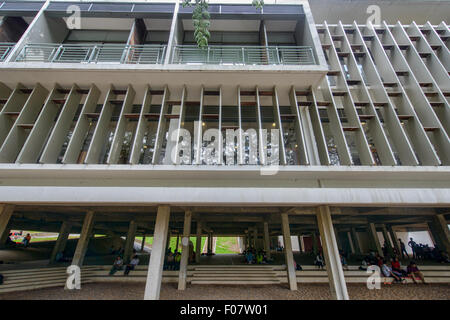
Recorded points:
364,264
170,260
26,240
413,271
387,272
297,266
343,262
132,265
249,257
9,242
118,265
176,260
396,267
259,257
319,261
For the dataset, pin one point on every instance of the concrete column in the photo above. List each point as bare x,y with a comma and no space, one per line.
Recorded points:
198,243
338,239
143,243
266,239
255,237
4,236
292,278
386,239
209,244
6,211
314,243
185,250
349,237
155,266
61,242
82,245
394,238
442,232
374,238
336,278
301,243
129,243
356,243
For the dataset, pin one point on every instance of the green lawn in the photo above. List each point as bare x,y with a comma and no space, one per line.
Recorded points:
226,245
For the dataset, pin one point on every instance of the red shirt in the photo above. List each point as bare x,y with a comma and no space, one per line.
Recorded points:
395,264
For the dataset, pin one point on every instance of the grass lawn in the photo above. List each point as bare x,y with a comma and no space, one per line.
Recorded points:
226,245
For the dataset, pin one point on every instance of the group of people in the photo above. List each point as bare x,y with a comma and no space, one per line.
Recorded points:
119,264
172,260
393,268
420,251
25,240
253,256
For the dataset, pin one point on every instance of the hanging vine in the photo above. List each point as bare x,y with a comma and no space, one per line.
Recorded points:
201,19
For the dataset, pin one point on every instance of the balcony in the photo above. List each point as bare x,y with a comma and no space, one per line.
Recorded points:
244,55
5,49
82,53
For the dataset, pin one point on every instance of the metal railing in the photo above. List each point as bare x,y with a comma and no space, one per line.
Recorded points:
86,53
5,49
244,55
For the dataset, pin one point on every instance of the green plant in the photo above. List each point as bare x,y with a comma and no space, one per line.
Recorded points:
201,16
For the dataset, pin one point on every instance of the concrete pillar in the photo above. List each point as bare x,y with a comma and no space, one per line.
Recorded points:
336,278
292,278
143,243
356,243
338,239
386,239
83,242
374,238
315,246
185,250
210,243
129,243
155,266
255,237
349,237
6,211
61,242
198,243
4,236
441,233
266,239
394,238
302,244
177,243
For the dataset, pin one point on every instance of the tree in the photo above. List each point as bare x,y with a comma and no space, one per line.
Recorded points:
201,16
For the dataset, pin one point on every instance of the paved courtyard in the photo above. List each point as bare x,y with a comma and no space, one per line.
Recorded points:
135,291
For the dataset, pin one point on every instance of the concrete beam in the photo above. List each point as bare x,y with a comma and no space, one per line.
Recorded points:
83,242
185,251
336,278
292,278
155,267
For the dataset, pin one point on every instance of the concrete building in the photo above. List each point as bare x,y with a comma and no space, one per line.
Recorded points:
113,121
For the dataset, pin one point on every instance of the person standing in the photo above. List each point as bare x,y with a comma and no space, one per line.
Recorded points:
413,246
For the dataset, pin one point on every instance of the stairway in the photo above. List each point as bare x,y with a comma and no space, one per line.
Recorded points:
234,275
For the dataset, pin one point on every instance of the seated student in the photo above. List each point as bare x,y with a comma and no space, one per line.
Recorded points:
9,242
133,263
319,261
387,272
26,240
343,262
249,257
365,263
170,261
177,260
413,271
396,267
118,265
259,257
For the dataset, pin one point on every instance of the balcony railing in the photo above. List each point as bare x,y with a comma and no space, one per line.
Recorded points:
243,55
82,53
5,49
